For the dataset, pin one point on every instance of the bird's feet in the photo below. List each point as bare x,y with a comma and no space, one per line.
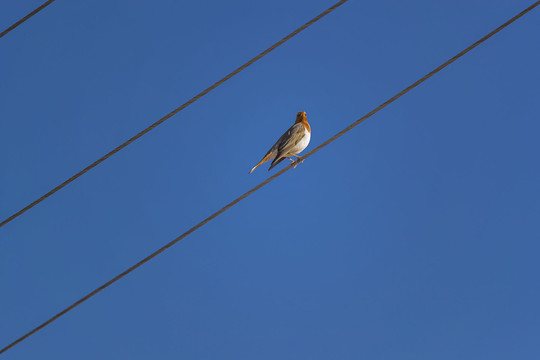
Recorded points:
298,160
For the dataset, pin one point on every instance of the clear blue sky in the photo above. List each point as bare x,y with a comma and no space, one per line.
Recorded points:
415,236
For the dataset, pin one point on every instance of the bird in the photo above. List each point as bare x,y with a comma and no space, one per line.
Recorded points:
290,144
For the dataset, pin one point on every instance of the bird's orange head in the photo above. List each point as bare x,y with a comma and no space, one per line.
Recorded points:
301,117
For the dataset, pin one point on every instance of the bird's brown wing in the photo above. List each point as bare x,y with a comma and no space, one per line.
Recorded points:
290,139
271,154
287,142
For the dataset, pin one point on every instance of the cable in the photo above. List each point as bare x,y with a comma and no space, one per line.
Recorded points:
275,176
174,112
41,7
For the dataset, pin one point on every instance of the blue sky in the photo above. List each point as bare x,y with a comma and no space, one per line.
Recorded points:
414,236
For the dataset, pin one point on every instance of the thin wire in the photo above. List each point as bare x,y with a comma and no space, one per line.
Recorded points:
41,7
174,112
275,176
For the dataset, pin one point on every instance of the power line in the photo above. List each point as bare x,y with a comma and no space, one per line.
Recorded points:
275,176
174,112
38,9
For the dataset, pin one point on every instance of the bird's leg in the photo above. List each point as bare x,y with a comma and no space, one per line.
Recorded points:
293,162
299,158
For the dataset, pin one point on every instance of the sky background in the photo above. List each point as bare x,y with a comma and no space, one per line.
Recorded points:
414,236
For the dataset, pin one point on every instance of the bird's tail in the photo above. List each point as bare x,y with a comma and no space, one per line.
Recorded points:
264,159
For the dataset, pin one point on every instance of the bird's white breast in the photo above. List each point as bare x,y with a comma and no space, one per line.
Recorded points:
302,144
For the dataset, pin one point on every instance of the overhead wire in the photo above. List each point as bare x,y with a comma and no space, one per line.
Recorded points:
273,177
174,112
38,9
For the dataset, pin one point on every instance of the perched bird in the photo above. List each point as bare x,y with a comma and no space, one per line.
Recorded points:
293,142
